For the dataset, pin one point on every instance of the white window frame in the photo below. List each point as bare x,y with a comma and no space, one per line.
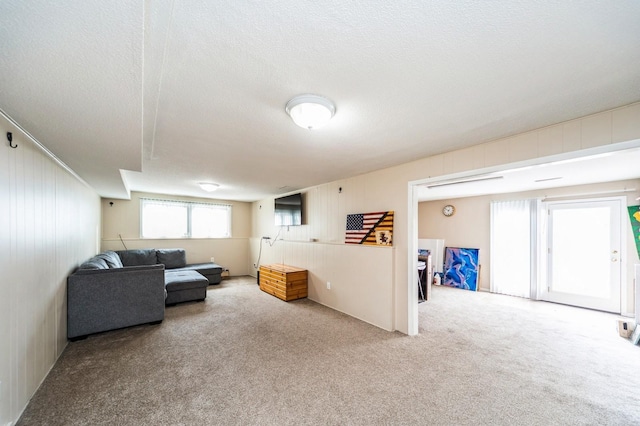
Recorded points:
189,205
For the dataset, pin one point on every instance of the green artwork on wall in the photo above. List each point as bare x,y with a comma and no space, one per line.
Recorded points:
634,216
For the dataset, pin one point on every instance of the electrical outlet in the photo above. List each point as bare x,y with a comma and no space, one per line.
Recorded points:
213,259
328,285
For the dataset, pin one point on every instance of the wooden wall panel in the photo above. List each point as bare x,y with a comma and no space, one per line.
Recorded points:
360,276
625,123
550,141
571,136
49,226
596,130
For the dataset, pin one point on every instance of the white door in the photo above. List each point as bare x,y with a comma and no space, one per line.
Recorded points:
583,254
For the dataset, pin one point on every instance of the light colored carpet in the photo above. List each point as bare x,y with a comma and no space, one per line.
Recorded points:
244,357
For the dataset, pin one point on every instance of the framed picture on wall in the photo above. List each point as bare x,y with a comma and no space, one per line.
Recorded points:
461,268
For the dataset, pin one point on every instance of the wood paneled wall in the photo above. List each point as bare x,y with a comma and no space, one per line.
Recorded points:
50,224
361,277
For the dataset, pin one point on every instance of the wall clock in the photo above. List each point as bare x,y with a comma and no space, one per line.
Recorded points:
448,210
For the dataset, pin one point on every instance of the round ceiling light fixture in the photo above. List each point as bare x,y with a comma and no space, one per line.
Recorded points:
310,111
209,187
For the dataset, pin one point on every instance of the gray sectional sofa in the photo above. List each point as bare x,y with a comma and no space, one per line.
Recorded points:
120,289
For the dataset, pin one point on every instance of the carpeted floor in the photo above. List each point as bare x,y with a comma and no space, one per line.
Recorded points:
246,358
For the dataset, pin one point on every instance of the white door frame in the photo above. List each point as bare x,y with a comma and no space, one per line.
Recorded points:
412,264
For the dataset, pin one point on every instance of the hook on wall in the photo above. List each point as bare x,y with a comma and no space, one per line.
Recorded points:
10,138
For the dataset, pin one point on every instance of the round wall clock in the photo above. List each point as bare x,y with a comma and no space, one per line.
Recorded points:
448,210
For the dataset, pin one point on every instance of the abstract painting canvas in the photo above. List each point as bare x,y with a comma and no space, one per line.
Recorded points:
370,229
461,268
634,216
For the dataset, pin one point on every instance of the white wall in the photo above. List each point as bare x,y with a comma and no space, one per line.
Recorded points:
50,224
388,190
123,218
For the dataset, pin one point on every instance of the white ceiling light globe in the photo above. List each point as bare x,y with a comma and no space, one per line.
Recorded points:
209,187
310,111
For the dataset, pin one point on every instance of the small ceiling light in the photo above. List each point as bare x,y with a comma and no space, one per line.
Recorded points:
209,187
310,111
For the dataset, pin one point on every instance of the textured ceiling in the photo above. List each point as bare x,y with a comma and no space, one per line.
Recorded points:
158,96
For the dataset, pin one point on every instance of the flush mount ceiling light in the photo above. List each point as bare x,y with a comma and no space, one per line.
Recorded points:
209,187
310,111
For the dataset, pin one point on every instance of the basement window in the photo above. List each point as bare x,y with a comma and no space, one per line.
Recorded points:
183,219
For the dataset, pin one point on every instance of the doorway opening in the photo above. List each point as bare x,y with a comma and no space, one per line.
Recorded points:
499,179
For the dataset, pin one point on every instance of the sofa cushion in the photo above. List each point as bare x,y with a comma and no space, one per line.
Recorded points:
172,258
112,259
204,268
183,280
211,271
138,257
94,263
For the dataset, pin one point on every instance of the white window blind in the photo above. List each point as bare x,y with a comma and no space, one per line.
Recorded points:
512,246
182,219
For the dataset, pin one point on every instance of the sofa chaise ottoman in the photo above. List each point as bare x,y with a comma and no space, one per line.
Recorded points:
184,286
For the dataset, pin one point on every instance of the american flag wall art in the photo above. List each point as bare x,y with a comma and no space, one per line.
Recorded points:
370,229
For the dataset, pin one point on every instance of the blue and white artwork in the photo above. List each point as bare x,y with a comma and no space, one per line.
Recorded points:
461,268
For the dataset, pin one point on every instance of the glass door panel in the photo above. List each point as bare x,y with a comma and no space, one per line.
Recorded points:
584,254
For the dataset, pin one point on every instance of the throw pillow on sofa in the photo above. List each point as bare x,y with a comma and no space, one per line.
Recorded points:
112,259
94,263
172,258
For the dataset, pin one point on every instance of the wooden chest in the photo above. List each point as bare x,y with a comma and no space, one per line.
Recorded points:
284,282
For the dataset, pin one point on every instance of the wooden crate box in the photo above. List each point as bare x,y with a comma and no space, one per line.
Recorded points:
283,281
